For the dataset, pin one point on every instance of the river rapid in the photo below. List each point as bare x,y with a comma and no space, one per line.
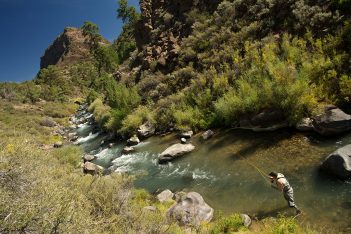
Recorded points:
225,170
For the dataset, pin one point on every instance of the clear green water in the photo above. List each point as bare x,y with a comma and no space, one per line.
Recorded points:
221,170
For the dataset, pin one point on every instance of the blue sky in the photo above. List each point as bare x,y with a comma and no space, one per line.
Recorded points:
28,27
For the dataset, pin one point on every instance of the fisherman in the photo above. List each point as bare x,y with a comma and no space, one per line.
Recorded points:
282,184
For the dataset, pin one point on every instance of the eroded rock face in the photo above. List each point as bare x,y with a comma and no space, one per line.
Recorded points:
191,210
175,151
339,163
332,121
146,130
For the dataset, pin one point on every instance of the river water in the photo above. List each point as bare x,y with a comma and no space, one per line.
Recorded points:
225,170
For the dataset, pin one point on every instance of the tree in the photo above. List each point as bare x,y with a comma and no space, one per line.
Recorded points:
128,14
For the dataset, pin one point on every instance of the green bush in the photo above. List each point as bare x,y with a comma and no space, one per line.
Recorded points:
229,224
138,117
71,155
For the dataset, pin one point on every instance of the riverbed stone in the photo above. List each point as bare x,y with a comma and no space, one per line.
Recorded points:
128,150
332,121
92,169
88,158
183,140
186,135
175,151
338,163
134,140
246,220
305,124
165,196
146,130
191,210
207,135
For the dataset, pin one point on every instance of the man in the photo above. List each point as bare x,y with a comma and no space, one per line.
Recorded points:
283,185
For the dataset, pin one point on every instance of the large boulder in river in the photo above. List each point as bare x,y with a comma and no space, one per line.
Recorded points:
339,163
146,130
134,140
191,210
332,121
175,151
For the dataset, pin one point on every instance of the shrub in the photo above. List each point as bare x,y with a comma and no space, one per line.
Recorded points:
139,116
100,111
229,224
71,155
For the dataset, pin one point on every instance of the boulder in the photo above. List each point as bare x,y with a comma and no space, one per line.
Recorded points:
88,158
110,145
134,140
92,169
58,144
175,151
332,121
146,130
305,124
187,134
165,196
339,163
267,120
246,220
207,135
48,122
183,140
128,150
191,210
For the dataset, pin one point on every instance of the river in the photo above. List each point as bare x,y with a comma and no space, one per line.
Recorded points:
224,171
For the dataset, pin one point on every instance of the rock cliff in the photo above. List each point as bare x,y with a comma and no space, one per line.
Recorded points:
68,48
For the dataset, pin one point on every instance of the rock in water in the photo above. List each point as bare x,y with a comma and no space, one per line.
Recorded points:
134,140
165,196
187,134
339,163
183,140
146,130
88,158
191,210
208,134
332,121
128,150
175,151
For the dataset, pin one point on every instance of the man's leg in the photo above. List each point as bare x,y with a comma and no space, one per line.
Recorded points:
289,197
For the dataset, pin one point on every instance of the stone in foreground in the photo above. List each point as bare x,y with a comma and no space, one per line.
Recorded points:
191,210
165,196
134,140
175,151
332,121
339,163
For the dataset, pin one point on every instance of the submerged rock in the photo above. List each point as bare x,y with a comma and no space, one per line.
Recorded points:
128,150
187,134
175,151
146,130
165,196
332,121
191,210
92,169
339,163
207,135
134,140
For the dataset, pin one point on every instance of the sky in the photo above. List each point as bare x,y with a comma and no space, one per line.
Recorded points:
28,27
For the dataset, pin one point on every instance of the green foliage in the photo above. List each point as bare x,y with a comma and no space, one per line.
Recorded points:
100,112
229,224
59,110
69,155
128,14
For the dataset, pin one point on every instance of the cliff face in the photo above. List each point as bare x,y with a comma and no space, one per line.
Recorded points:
68,48
162,26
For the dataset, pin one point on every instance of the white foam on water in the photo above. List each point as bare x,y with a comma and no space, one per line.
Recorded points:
127,162
87,138
103,153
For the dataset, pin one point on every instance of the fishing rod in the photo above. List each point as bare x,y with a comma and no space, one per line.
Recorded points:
263,174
